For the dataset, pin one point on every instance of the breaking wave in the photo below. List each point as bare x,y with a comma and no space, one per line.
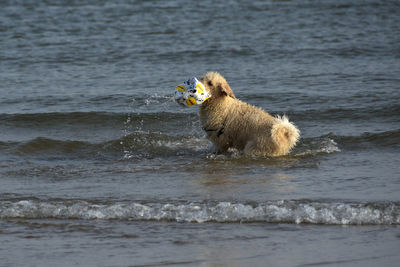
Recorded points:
283,211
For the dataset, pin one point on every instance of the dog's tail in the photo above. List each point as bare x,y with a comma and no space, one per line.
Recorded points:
284,134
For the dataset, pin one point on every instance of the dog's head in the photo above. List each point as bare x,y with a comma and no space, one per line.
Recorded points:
216,85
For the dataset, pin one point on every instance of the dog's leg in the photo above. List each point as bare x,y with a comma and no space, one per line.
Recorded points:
251,148
261,146
222,147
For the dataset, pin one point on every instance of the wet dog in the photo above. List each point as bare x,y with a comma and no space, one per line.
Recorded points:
231,123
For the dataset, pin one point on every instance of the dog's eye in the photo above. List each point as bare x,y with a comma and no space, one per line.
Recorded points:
210,83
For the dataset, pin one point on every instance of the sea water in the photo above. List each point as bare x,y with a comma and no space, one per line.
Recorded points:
99,166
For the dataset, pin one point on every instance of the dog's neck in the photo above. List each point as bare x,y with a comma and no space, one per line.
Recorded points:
219,101
214,113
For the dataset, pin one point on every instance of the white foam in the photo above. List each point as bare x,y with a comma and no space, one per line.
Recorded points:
271,212
324,146
328,146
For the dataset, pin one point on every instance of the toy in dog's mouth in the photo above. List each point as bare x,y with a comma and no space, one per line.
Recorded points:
191,92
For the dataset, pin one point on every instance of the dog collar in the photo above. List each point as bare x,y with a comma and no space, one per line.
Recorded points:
219,131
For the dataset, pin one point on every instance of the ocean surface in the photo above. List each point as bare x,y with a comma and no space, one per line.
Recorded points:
100,167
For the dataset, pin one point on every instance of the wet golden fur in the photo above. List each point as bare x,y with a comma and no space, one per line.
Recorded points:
231,123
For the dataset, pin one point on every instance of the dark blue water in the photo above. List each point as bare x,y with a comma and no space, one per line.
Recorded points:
99,166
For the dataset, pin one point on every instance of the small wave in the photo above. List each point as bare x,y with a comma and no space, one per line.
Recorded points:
138,144
48,146
145,144
284,211
380,139
315,146
332,143
153,144
150,144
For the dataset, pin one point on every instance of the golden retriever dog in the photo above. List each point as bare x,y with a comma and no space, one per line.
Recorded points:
231,123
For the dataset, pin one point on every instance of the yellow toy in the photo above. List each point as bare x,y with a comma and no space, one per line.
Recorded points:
191,92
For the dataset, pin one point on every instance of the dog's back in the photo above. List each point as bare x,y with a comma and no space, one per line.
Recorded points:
231,123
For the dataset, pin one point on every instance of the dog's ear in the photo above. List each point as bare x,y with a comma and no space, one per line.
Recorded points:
226,90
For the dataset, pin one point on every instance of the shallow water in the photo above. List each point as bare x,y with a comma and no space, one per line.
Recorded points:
99,167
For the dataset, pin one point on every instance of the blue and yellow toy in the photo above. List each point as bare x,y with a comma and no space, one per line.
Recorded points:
192,92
